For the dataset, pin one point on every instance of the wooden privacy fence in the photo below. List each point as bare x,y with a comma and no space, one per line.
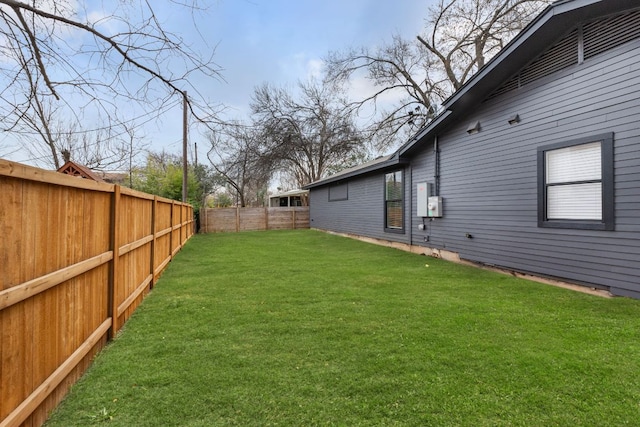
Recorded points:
76,259
220,220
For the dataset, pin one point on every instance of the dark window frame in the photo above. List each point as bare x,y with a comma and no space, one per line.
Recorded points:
388,229
607,180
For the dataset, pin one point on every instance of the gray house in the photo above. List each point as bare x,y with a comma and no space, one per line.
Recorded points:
533,166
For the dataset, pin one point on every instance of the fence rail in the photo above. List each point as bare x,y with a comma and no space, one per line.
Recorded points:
76,259
220,220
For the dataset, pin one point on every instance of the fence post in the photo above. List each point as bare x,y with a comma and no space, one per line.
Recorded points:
112,309
152,261
181,222
266,218
171,233
183,227
191,213
205,223
293,215
237,219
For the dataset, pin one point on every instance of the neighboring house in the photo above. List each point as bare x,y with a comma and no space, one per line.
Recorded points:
289,199
536,160
76,169
118,178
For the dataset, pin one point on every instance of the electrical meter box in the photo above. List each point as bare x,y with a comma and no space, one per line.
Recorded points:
434,207
422,199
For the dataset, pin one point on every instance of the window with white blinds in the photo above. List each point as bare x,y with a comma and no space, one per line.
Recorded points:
575,201
577,163
575,184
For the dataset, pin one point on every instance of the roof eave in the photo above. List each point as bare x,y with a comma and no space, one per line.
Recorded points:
393,161
547,27
557,19
430,129
554,21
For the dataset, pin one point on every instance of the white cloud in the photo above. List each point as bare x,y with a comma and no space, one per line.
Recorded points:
315,68
66,8
98,18
301,66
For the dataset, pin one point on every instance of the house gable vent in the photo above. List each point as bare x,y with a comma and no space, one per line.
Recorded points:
562,54
508,86
610,32
597,37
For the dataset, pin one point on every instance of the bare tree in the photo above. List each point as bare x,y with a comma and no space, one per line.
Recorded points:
460,36
464,34
99,149
60,60
310,135
50,140
398,67
236,154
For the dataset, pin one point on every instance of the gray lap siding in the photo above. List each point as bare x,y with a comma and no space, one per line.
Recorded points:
362,213
488,180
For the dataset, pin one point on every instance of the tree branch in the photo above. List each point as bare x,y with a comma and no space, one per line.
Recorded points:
36,50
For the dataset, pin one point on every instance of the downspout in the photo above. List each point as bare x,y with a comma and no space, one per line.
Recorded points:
436,176
410,205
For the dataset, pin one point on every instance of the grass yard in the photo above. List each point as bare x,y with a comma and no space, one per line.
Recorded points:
302,328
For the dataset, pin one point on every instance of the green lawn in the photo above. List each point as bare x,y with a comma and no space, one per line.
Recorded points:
302,328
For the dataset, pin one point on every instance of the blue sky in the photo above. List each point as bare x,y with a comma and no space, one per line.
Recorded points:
283,41
275,41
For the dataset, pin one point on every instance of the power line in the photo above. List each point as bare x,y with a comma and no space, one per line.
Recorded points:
150,116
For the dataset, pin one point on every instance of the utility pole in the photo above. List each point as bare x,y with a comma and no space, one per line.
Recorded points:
184,146
130,160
